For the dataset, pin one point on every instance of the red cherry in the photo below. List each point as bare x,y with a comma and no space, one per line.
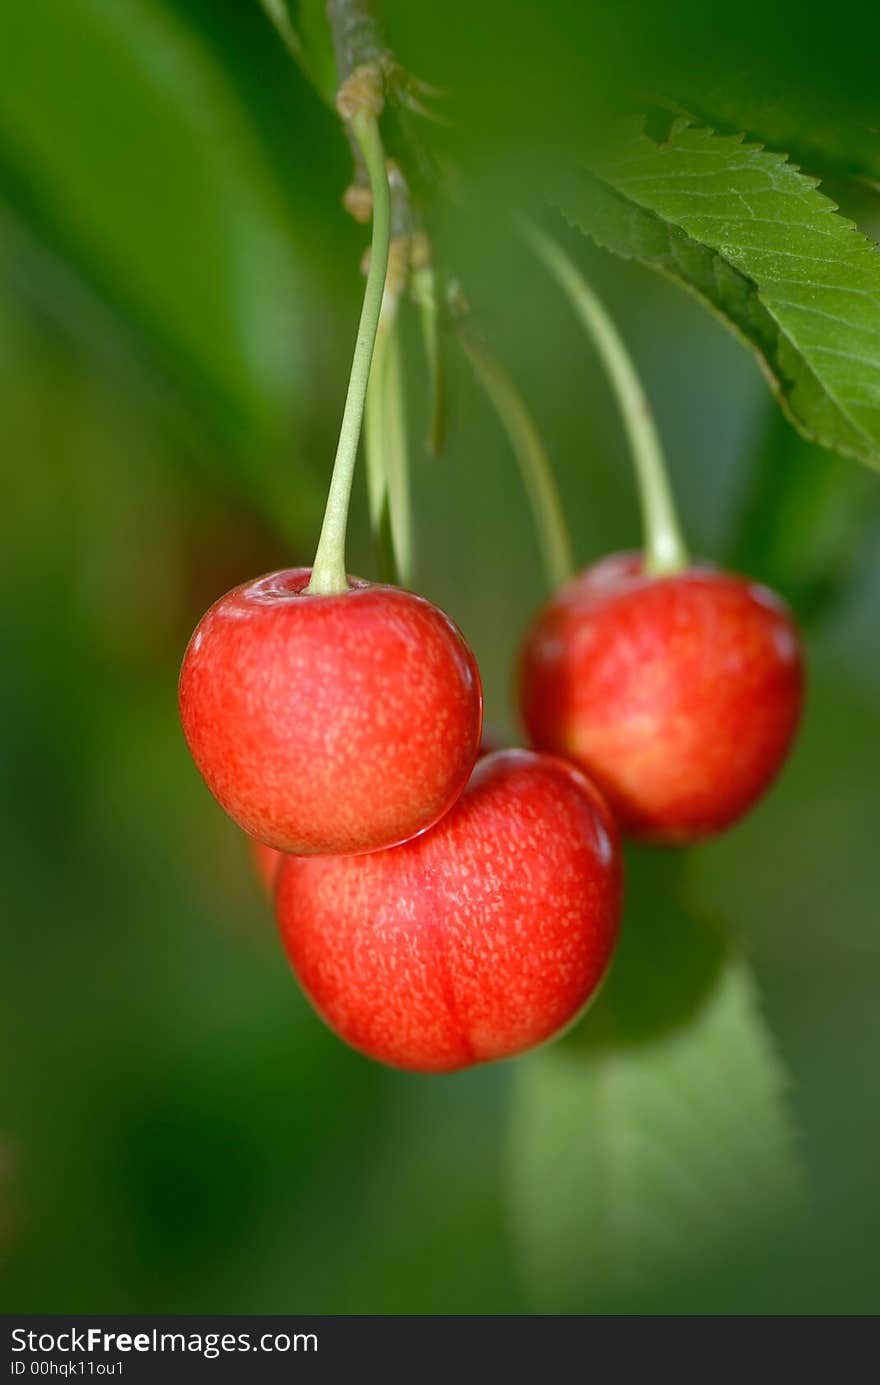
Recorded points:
330,724
265,861
472,942
679,695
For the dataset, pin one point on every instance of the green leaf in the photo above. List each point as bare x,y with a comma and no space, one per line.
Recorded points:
805,520
653,1142
829,136
124,150
752,236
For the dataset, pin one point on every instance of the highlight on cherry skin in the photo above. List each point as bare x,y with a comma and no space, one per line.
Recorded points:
679,695
477,940
330,723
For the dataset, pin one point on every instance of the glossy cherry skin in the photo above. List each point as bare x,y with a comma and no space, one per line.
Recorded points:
678,695
330,724
473,942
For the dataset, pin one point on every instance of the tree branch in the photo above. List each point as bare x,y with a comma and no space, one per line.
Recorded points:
357,35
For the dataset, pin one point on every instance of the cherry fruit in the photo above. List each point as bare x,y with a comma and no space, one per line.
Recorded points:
265,861
336,723
679,695
472,942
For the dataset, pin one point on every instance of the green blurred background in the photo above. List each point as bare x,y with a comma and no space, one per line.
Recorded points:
178,293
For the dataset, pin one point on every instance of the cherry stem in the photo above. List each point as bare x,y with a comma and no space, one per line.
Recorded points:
277,13
376,427
385,437
397,464
532,456
665,549
424,290
328,571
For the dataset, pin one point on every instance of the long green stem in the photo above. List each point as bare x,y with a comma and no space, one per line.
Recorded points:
424,289
376,430
397,465
277,12
328,571
532,457
385,434
665,549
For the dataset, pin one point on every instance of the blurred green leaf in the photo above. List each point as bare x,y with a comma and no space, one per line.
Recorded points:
653,1141
125,149
752,236
805,519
